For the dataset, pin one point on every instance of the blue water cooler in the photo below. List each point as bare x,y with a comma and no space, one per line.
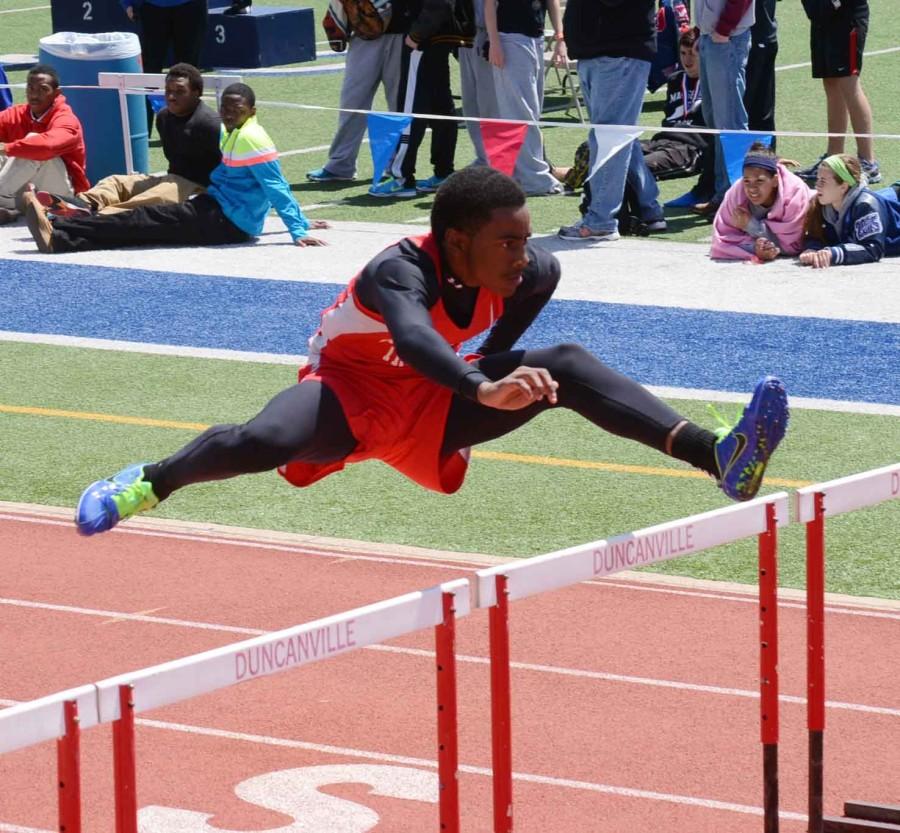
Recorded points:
78,58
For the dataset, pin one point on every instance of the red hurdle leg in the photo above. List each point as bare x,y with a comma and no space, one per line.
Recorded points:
448,751
768,660
124,763
501,722
68,768
815,660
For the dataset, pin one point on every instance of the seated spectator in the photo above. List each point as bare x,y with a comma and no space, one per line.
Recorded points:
41,142
190,133
246,183
764,214
847,223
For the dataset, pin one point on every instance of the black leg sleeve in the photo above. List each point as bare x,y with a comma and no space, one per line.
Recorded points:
304,422
586,385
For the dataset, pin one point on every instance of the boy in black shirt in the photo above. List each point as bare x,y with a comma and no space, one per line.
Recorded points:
190,133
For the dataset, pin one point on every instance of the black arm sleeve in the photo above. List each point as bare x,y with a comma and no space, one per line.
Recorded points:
403,298
538,285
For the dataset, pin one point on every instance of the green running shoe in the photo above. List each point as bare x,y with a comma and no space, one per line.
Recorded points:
107,502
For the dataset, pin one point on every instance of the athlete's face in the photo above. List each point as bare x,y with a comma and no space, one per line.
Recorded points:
829,189
496,255
760,186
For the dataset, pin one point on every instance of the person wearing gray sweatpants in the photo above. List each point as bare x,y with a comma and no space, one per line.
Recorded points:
479,101
516,53
369,62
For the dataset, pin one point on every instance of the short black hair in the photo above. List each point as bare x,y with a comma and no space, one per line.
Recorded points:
762,149
45,69
190,72
469,197
243,91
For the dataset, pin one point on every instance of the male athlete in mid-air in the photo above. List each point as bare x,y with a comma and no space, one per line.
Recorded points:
384,379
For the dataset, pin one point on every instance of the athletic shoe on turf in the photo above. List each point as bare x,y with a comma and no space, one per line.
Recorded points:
810,172
430,185
324,175
743,450
871,170
580,233
61,206
38,224
391,188
107,502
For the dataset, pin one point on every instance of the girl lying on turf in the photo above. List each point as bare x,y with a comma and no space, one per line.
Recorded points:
763,215
847,222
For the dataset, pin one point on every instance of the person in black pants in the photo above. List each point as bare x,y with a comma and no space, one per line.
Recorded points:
759,96
438,29
384,379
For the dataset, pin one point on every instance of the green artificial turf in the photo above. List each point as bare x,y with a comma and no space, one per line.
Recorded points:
505,508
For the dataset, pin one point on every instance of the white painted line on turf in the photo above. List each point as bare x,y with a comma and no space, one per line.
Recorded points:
580,673
154,349
28,9
693,394
871,54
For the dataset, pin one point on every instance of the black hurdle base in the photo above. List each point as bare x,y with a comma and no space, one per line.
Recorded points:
862,817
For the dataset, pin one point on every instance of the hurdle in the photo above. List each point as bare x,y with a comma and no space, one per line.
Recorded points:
148,84
119,699
497,586
813,504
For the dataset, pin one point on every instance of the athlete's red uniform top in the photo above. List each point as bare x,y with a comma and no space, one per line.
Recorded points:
395,412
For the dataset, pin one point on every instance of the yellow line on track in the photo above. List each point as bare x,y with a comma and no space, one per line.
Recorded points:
501,456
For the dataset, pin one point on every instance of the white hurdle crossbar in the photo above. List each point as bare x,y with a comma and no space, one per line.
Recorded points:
497,586
814,504
118,699
136,83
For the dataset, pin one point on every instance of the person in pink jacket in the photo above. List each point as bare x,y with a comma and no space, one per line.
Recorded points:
763,215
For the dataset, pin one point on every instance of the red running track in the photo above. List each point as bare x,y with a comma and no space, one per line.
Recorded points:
634,703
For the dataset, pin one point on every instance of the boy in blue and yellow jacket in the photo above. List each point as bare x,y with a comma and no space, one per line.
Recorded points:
243,187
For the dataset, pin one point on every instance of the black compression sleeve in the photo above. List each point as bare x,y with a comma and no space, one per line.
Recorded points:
540,279
402,299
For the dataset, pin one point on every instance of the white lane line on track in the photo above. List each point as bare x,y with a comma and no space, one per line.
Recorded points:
15,828
301,549
800,402
698,688
262,545
384,757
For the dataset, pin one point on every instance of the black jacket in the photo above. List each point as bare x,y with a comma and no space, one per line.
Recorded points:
442,21
611,28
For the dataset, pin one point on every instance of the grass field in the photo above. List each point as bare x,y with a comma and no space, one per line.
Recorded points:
508,506
800,107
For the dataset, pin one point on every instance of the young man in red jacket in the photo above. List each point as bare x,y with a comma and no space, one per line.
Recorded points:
41,142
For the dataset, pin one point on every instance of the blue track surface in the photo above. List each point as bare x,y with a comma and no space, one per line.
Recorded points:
834,359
